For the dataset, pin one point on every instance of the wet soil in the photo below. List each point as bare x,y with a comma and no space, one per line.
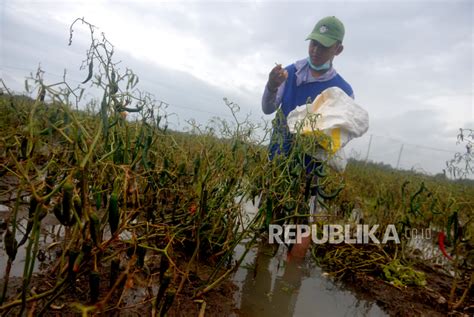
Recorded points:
428,300
136,300
431,299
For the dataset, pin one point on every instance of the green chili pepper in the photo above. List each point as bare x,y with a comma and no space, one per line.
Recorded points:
141,252
11,245
73,254
77,203
94,285
164,265
113,213
320,171
89,75
94,227
328,196
268,217
168,302
161,290
58,213
98,200
67,216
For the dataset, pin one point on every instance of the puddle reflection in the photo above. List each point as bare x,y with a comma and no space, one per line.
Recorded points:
269,285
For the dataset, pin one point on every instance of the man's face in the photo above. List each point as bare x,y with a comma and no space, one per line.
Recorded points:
320,54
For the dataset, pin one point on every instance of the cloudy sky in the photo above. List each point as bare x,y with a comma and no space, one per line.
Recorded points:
410,63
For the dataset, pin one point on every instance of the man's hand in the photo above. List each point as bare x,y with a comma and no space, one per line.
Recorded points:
277,76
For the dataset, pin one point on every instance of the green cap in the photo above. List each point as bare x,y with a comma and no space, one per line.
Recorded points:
327,31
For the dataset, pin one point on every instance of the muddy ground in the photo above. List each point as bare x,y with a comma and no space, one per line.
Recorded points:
136,300
429,300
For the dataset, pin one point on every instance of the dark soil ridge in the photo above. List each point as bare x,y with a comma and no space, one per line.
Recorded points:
431,299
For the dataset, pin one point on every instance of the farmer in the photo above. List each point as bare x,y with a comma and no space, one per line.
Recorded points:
297,83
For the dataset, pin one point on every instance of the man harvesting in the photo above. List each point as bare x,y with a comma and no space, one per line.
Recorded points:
292,86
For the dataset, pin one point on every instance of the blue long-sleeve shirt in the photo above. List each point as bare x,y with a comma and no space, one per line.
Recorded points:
271,100
295,91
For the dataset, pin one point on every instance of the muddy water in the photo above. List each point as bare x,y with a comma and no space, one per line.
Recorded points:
51,232
269,285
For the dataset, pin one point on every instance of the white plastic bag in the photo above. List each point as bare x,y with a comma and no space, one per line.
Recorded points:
335,114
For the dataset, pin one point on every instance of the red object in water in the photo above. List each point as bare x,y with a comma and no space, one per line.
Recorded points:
441,238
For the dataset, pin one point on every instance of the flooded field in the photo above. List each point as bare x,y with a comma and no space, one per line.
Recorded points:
266,283
269,285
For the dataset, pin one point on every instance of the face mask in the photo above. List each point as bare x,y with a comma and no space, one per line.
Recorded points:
318,68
